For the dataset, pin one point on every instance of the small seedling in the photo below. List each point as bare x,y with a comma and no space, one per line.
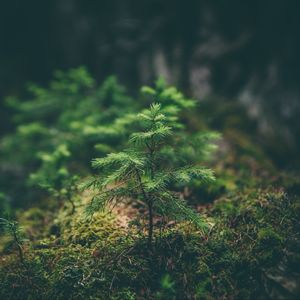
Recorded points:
146,171
54,176
12,228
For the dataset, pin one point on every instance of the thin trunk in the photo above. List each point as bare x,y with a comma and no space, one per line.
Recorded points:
150,230
150,148
150,210
20,249
21,256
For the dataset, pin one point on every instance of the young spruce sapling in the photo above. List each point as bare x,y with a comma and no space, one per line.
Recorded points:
144,171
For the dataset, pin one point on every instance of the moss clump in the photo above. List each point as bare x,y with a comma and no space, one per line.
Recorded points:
79,230
268,238
268,246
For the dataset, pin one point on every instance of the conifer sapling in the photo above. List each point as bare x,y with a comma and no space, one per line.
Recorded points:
13,230
145,171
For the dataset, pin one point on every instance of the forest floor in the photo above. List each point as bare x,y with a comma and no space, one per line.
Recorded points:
251,250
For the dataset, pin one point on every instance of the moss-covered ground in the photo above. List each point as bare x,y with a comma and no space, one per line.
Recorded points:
250,252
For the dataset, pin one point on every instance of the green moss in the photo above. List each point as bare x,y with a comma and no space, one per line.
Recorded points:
225,208
269,246
34,214
26,281
268,238
85,259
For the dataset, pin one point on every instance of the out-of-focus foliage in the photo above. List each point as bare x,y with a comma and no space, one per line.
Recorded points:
54,176
71,113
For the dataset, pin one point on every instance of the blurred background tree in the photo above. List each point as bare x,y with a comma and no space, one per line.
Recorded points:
245,51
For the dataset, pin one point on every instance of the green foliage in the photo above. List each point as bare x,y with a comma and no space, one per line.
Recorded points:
72,111
191,145
54,176
147,172
169,96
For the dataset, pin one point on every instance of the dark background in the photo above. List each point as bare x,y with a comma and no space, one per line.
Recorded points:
243,50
